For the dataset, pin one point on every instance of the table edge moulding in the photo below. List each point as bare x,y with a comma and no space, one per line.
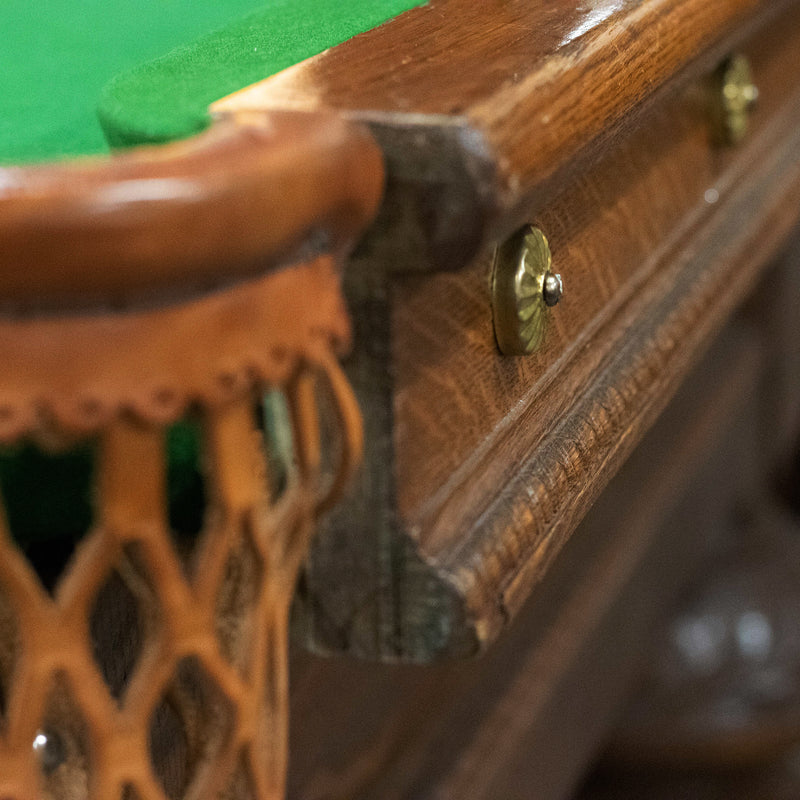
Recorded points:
605,128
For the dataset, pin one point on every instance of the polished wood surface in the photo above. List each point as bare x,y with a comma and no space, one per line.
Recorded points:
235,202
503,99
548,429
496,459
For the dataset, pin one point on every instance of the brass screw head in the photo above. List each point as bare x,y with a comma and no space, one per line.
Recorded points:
737,95
552,289
523,287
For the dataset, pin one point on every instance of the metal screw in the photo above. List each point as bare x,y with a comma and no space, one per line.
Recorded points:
49,748
552,289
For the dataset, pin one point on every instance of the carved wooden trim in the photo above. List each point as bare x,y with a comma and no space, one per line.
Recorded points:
495,460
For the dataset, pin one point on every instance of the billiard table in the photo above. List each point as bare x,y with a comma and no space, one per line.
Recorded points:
540,215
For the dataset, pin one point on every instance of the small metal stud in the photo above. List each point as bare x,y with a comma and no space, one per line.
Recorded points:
523,287
50,750
552,289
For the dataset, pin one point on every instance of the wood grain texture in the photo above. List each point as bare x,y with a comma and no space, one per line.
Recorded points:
611,231
502,99
524,720
497,459
644,305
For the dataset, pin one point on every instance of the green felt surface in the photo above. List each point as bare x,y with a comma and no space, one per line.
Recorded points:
168,98
57,55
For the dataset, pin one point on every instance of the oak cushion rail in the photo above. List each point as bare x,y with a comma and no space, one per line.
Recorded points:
484,109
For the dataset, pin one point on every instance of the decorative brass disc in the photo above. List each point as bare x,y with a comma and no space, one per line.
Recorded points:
736,96
518,291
